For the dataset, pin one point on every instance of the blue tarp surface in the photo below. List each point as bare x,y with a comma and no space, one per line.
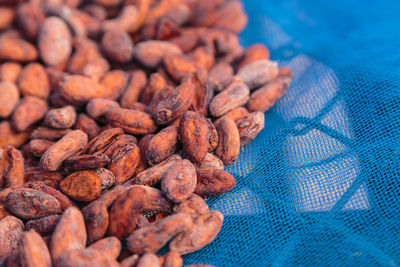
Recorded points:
320,185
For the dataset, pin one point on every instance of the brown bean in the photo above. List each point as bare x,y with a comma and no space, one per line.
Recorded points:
144,144
96,11
151,53
130,261
235,114
64,201
153,175
266,96
179,181
175,103
254,53
37,146
5,191
211,161
9,137
156,84
212,135
86,54
228,141
285,71
124,161
97,220
117,45
194,205
61,118
171,259
231,16
28,111
132,121
249,126
98,107
109,246
81,23
11,167
102,140
85,257
33,250
220,76
7,15
148,260
16,49
178,65
87,125
54,41
213,182
119,142
138,106
79,89
204,231
96,214
9,72
69,234
223,43
71,143
203,92
28,203
30,16
115,82
34,81
134,88
235,95
203,57
151,238
162,145
11,229
86,162
125,21
9,97
258,73
193,131
125,211
82,185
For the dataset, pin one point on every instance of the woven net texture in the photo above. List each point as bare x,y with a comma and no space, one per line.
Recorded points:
320,185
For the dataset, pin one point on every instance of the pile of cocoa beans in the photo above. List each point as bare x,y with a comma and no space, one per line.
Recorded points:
117,119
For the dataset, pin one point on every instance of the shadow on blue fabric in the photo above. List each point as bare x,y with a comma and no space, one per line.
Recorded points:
320,185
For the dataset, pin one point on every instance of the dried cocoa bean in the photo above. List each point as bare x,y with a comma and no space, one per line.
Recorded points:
193,131
69,234
61,118
33,250
228,141
213,182
71,143
162,145
27,203
179,181
9,97
151,238
203,232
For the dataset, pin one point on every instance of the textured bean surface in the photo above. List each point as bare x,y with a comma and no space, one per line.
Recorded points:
117,121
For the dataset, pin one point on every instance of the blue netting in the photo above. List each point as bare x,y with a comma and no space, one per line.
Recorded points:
320,184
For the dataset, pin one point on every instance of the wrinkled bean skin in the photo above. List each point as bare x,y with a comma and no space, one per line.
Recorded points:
117,121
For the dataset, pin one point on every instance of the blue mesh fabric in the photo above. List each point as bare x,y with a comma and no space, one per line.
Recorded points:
320,185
